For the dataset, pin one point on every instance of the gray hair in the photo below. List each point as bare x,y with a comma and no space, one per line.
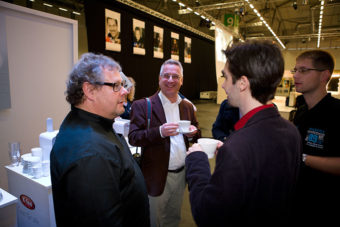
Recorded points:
171,62
88,69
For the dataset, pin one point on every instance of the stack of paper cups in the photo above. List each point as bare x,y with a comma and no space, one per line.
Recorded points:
37,152
37,171
45,168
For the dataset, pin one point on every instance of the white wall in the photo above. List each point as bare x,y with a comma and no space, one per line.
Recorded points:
42,49
223,38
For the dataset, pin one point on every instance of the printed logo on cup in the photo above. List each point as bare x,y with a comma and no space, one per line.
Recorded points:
27,201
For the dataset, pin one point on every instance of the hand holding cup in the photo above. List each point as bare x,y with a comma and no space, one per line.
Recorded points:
209,146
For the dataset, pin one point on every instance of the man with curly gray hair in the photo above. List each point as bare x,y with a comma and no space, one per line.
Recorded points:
95,180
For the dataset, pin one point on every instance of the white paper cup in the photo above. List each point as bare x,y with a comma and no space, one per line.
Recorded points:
37,152
208,146
184,125
37,172
45,168
32,162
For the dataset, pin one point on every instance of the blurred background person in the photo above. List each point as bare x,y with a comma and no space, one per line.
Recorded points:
129,99
225,121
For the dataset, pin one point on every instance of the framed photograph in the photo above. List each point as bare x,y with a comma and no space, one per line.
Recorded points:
158,42
174,46
187,50
138,36
112,30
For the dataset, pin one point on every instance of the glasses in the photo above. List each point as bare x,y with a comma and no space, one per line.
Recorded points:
304,70
115,86
173,76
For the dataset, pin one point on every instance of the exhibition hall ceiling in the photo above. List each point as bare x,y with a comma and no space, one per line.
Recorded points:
295,23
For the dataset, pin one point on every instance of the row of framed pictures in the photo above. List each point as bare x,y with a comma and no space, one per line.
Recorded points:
113,38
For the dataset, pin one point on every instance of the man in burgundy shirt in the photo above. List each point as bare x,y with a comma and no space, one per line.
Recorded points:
257,166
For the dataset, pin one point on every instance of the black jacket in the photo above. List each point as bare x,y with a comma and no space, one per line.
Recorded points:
95,180
255,175
225,121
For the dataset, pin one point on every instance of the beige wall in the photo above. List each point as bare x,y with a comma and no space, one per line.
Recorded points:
38,70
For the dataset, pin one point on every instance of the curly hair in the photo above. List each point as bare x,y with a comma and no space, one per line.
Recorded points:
88,69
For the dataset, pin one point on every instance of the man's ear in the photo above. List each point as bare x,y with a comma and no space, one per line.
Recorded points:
325,76
88,90
244,83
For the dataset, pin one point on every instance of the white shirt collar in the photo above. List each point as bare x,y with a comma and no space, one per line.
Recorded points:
166,101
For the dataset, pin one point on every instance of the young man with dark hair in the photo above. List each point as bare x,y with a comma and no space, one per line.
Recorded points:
257,166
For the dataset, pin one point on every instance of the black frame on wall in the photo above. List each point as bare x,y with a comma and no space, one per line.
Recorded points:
199,75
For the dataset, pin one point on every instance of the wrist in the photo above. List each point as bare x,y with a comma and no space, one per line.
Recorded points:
304,157
160,131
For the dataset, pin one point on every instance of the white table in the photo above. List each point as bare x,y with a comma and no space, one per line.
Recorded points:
8,207
35,205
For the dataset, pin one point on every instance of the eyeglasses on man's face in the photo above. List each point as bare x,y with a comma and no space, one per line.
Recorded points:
115,86
305,70
173,76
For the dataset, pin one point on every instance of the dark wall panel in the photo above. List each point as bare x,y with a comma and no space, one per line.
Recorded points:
199,76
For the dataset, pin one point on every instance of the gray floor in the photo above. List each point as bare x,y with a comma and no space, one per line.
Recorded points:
207,111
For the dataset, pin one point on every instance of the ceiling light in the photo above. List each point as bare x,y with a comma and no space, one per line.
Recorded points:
63,9
181,4
183,11
76,13
49,5
196,13
264,21
320,22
